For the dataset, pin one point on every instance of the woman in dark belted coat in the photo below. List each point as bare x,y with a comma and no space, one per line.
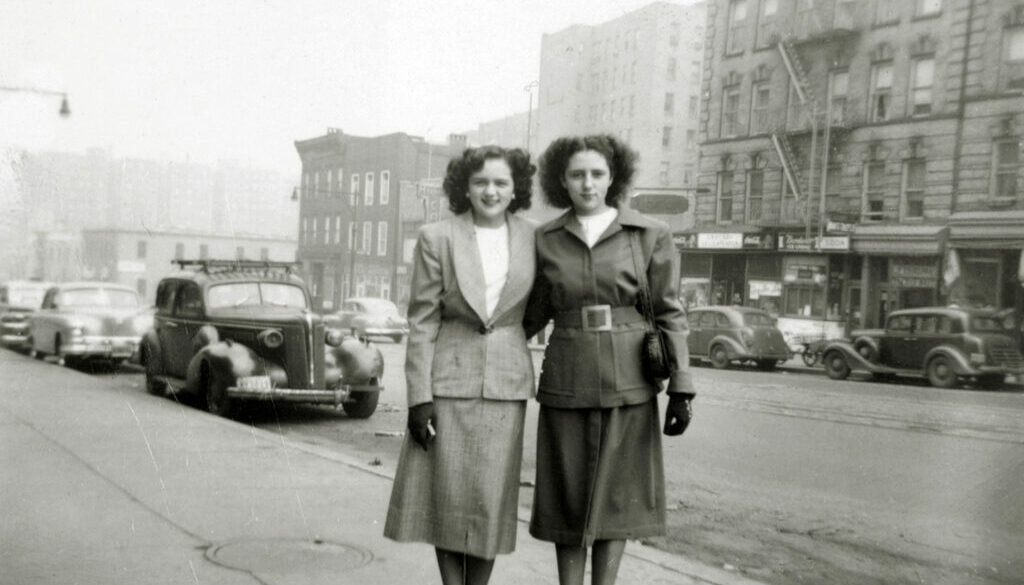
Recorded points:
600,477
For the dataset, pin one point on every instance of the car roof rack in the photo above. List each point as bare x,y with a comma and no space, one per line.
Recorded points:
210,266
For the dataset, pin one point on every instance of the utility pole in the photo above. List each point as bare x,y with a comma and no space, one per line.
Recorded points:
529,111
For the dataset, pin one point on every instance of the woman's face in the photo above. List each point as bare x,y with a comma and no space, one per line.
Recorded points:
587,178
491,190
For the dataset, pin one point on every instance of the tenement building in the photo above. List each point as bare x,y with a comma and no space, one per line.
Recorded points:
859,156
361,202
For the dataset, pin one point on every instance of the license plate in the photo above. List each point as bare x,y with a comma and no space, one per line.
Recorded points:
254,383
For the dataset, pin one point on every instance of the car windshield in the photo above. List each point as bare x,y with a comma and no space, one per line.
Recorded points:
757,320
986,325
25,297
379,307
98,297
237,294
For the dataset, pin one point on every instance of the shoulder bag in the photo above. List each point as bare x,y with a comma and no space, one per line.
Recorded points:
653,355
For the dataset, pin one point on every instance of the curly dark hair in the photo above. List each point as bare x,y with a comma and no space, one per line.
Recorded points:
620,157
456,179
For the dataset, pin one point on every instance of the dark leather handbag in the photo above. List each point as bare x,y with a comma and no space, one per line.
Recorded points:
653,354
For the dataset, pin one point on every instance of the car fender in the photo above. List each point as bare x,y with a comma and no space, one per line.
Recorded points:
961,364
733,347
868,341
357,361
150,351
853,357
229,361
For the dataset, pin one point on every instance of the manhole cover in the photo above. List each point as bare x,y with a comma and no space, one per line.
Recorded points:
283,555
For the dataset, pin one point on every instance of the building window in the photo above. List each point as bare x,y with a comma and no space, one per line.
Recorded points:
673,34
382,238
630,106
839,82
240,253
670,69
330,182
881,92
264,253
833,183
737,24
353,193
663,172
385,187
204,251
887,12
921,81
691,109
327,229
305,185
140,249
179,251
795,117
1013,60
1006,163
759,108
351,236
670,103
913,189
304,236
928,7
367,244
368,190
874,191
337,229
755,195
725,197
767,24
691,139
316,184
666,137
140,286
339,187
730,111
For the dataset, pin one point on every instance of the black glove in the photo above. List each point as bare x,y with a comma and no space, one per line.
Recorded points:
678,414
422,423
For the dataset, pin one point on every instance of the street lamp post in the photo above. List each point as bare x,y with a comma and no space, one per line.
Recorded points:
64,111
529,111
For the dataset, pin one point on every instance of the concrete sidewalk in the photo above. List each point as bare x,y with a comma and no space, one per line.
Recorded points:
105,486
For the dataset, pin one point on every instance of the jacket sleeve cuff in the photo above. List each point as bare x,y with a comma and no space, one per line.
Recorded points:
679,382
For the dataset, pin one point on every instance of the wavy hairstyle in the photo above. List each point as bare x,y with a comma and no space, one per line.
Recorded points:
621,162
456,180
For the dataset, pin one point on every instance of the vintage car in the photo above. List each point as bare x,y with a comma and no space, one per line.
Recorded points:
945,344
228,331
19,298
87,320
366,317
726,334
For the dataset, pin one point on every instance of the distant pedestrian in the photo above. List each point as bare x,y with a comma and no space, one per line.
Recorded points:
600,477
468,369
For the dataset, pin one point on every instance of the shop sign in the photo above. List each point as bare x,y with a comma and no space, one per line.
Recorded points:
834,243
685,240
725,241
758,242
839,227
791,243
728,241
804,273
906,274
765,288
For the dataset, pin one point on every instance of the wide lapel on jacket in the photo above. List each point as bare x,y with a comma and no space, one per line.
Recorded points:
469,271
522,262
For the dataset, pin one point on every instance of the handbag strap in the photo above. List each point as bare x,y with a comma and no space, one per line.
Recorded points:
644,291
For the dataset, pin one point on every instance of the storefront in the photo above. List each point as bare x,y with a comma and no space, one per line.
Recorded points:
728,268
814,275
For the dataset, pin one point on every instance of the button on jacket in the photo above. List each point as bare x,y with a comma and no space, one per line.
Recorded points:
454,350
602,369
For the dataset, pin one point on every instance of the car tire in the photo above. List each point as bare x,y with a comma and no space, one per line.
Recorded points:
32,351
154,385
991,381
397,338
836,366
215,395
941,373
766,365
719,357
809,357
68,361
361,405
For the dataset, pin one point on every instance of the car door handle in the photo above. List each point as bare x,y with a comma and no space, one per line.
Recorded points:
171,325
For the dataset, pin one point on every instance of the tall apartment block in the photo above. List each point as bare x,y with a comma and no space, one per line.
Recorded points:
859,156
637,77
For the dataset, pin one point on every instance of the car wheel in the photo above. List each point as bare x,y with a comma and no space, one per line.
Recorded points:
362,404
719,357
32,351
941,373
154,385
836,366
991,381
397,338
766,365
216,395
68,361
810,358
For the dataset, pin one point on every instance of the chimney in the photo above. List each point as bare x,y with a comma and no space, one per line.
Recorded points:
457,142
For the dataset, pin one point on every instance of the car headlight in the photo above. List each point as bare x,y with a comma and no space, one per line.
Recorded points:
748,336
271,338
334,337
77,330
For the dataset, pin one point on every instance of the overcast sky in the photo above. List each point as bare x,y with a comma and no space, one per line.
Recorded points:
233,79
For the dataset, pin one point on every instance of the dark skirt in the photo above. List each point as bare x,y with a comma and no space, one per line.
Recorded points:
600,474
463,494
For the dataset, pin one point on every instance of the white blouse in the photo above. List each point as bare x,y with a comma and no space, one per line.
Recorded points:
493,246
594,225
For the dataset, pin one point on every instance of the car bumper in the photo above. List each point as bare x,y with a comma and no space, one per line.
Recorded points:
333,397
1009,371
104,347
14,339
385,331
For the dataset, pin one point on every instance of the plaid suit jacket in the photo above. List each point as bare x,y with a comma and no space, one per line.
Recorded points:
454,350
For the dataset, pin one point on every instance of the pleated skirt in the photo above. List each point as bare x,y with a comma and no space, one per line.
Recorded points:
463,494
600,475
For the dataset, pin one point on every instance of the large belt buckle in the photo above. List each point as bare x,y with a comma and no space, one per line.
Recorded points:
596,318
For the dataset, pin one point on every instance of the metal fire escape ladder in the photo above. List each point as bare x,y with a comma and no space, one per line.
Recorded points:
785,152
798,77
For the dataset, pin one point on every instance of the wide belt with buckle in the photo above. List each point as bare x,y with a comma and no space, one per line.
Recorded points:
598,317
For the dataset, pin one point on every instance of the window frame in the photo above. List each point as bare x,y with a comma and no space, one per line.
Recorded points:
730,124
750,195
760,112
724,178
868,216
875,92
385,187
1000,169
906,191
916,89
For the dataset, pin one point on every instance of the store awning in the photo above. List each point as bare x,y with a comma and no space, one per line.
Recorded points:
899,240
987,229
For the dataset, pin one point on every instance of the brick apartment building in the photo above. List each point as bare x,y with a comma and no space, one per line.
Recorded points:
361,201
852,149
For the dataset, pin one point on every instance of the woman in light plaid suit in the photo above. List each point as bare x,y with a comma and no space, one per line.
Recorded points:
468,369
